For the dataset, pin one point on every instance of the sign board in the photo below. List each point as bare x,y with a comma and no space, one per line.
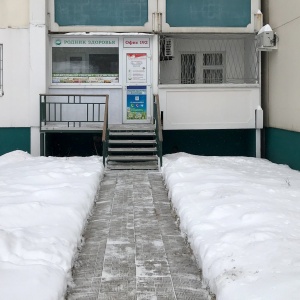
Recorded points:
136,68
143,42
85,42
136,102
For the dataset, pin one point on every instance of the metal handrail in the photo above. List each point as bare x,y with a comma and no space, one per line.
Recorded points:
54,111
158,126
105,132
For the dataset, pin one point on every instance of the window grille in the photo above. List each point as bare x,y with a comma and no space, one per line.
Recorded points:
212,76
1,70
213,67
188,68
210,59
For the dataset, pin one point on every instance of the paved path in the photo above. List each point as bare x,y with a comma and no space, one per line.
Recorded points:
133,249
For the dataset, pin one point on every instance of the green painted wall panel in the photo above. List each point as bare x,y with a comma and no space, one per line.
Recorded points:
236,142
283,147
73,144
101,12
14,139
208,13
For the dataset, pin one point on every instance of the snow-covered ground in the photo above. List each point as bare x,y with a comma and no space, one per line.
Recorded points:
240,215
44,204
242,219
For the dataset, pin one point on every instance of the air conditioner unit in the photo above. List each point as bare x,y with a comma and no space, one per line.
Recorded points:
169,47
266,39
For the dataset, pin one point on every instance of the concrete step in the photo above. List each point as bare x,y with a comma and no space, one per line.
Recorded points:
132,165
132,127
136,142
136,150
124,158
132,133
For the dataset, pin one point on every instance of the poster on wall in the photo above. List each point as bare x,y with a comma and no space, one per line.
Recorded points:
136,67
85,78
136,103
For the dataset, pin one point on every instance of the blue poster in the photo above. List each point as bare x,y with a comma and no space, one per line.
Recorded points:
136,103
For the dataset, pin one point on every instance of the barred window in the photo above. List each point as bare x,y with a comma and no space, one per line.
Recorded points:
213,65
205,68
1,70
188,68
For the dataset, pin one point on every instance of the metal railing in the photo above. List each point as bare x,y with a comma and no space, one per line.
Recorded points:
105,133
158,127
72,111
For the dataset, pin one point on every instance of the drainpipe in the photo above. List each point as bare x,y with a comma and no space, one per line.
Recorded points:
258,115
264,74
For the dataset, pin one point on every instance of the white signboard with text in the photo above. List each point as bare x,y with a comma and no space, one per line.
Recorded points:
143,42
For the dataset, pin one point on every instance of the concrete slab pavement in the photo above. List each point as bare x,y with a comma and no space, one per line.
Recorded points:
133,248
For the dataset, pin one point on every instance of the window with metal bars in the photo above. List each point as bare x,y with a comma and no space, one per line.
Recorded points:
213,67
1,70
188,68
205,68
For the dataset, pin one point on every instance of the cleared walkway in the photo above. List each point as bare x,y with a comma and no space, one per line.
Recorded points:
133,249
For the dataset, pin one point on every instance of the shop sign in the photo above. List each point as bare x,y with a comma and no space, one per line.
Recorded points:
136,42
136,103
85,42
136,68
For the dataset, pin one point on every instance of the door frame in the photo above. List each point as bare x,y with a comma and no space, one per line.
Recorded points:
147,82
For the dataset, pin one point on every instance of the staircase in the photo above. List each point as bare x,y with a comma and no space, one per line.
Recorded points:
132,147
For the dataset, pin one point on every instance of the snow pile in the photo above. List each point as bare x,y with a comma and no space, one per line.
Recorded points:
44,204
242,219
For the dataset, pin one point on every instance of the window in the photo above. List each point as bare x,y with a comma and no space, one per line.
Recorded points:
204,68
188,68
212,67
85,65
1,70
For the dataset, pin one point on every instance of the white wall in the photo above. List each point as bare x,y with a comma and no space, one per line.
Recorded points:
14,36
213,107
23,35
283,95
14,13
38,63
14,108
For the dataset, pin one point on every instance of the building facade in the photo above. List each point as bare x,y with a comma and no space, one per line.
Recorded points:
280,80
200,57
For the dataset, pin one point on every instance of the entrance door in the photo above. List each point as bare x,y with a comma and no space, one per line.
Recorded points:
137,86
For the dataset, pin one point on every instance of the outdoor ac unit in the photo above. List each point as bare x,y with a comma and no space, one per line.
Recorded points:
169,47
266,39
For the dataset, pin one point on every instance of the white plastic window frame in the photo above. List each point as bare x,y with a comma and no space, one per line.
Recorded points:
1,70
